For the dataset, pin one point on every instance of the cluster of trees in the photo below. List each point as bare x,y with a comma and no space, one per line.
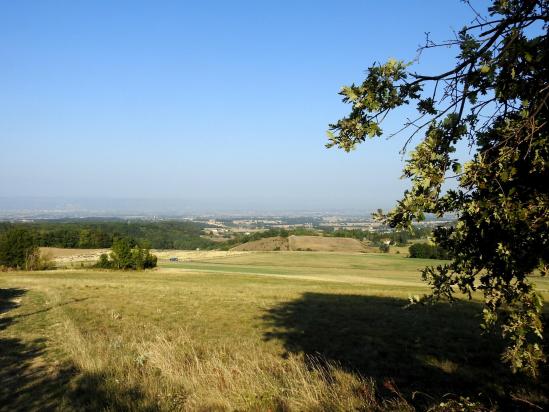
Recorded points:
18,250
127,255
69,233
428,251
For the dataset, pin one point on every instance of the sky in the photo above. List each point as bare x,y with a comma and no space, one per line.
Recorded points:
221,105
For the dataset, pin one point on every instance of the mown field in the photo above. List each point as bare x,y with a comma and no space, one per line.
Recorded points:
252,331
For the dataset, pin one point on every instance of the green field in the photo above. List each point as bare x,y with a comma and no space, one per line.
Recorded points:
260,331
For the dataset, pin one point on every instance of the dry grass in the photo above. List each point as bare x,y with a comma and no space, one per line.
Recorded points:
174,339
64,257
305,243
264,245
325,244
195,255
180,374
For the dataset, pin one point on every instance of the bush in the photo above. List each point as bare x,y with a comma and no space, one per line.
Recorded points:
104,262
427,251
40,261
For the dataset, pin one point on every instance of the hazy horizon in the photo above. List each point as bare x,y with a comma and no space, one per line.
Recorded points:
90,207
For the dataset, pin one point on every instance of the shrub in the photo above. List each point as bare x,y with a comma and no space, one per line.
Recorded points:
39,261
427,251
104,262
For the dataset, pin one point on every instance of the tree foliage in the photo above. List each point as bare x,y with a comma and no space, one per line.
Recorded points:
427,251
94,233
127,255
396,237
17,249
495,97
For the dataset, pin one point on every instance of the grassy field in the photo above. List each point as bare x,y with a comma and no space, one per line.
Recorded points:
288,331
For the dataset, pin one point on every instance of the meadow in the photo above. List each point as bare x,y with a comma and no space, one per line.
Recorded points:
288,331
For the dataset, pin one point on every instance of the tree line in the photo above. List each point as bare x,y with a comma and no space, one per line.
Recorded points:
396,237
91,234
19,250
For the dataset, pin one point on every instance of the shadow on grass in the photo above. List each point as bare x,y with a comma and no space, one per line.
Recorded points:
30,382
429,352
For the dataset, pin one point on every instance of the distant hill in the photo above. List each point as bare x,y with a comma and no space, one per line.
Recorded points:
264,245
325,244
305,243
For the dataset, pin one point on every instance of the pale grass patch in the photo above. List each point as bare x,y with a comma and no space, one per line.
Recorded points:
179,373
248,378
186,255
81,350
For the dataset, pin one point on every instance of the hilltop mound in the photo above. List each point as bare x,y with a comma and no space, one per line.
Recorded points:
305,243
325,244
264,245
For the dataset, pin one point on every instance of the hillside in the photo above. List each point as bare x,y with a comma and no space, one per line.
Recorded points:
305,243
264,245
325,244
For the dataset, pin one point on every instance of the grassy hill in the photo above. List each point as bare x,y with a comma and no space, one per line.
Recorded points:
264,245
306,243
325,244
288,331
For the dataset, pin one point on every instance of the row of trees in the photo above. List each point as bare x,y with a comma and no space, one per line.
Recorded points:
68,233
396,237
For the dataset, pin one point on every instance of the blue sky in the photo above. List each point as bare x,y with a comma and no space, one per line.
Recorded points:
221,103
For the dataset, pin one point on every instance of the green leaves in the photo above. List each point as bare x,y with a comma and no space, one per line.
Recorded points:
426,106
495,96
380,92
484,68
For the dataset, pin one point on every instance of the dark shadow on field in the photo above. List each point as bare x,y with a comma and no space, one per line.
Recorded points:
9,298
28,382
429,351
